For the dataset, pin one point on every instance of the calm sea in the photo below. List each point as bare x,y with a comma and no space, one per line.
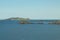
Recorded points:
12,30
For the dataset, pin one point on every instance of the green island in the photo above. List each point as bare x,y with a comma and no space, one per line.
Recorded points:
17,18
22,20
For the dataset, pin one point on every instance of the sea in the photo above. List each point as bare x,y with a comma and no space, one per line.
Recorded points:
13,30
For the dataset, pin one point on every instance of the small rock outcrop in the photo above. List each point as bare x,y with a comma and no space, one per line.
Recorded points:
22,22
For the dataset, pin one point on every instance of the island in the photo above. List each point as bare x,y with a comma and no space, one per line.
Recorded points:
21,20
55,22
17,18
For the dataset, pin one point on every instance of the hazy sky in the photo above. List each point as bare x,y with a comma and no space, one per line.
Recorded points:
34,9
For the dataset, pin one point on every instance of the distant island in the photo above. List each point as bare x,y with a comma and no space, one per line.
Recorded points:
22,20
55,22
17,18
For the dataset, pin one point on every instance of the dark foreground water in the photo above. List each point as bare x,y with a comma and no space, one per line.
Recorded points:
12,30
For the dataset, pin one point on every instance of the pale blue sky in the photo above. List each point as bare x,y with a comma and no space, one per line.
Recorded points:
34,9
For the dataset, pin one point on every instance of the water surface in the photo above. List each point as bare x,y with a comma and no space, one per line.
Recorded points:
12,30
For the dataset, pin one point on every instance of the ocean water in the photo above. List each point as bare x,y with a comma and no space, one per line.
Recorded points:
12,30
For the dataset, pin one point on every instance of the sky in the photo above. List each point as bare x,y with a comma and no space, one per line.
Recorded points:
33,9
